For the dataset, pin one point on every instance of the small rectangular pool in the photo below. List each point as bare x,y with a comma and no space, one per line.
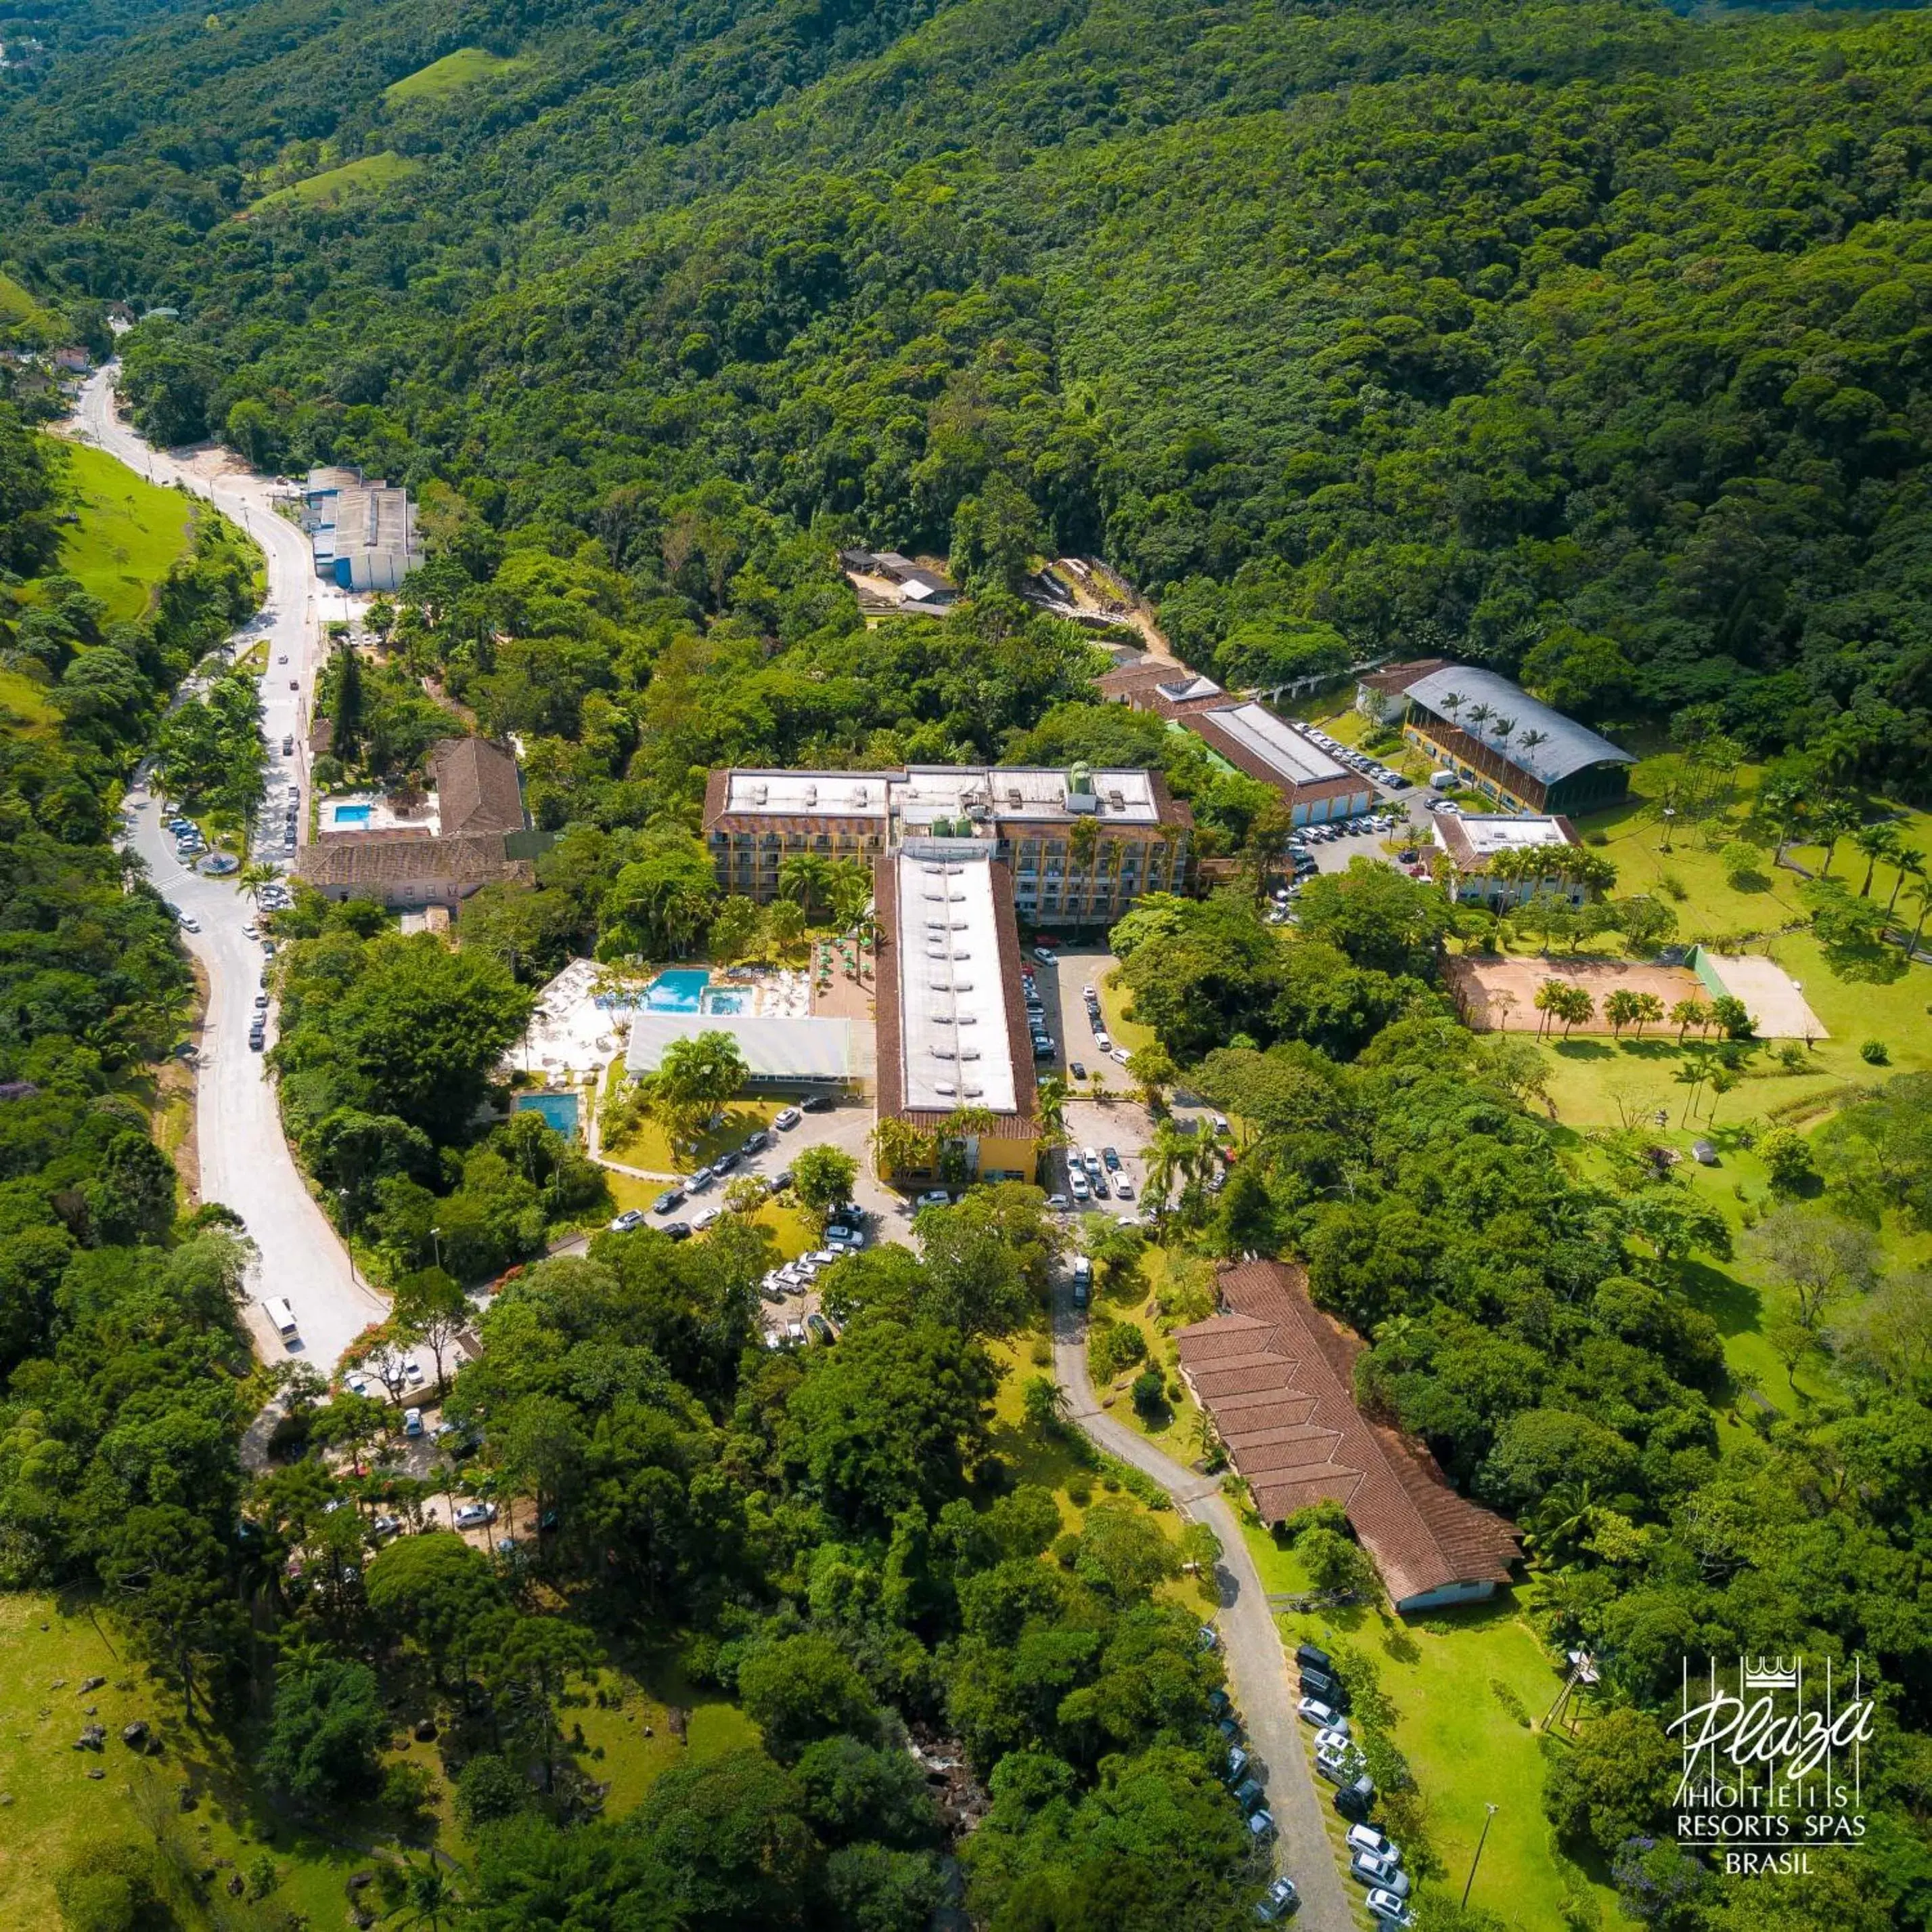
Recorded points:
558,1109
351,814
679,991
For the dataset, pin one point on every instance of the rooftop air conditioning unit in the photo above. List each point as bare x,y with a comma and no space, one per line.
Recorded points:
760,794
972,1092
811,794
945,1087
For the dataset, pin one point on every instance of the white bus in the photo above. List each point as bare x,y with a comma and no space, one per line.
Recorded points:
281,1318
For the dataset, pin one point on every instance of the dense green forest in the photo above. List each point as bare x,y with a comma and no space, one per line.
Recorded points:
1585,341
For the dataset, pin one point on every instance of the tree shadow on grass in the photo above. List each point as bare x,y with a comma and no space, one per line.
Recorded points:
1735,1306
1584,1049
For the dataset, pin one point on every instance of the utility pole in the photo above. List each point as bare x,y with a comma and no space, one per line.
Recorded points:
1489,1812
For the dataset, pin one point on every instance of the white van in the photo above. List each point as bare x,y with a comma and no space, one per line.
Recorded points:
1083,1279
282,1318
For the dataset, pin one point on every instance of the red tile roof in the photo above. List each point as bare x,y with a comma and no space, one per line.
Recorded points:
1278,1377
476,788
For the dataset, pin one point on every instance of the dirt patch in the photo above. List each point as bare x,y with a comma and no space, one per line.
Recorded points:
1499,995
173,1122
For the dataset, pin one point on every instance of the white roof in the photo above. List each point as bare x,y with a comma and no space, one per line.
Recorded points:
1300,761
794,794
954,1046
1496,832
928,792
775,1047
1183,688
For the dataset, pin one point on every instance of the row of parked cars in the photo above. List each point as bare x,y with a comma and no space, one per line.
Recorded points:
1359,761
1375,1860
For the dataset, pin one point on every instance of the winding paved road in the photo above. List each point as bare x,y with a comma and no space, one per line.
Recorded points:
1258,1675
244,1160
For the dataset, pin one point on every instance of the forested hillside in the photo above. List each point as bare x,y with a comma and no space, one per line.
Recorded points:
1586,341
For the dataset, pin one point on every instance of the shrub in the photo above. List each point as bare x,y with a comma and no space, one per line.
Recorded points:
1875,1053
1673,884
1787,1154
1149,1392
327,772
107,1887
489,1790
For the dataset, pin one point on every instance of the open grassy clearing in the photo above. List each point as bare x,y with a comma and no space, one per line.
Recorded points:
370,175
25,710
463,68
24,319
130,532
1470,1687
647,1146
57,1813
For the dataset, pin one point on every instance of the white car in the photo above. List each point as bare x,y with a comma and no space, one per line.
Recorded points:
786,1118
474,1515
1323,1717
933,1197
1103,1040
1119,1053
1366,1838
824,1257
1077,1181
1090,1160
1334,1738
795,1334
703,1219
1045,957
412,1422
844,1240
1390,1909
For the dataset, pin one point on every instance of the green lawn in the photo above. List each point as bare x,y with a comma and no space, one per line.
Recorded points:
463,68
130,533
1470,1743
26,320
25,710
372,173
56,1812
647,1147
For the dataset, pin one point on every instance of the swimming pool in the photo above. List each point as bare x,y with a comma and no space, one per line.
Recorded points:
724,999
351,814
680,991
558,1109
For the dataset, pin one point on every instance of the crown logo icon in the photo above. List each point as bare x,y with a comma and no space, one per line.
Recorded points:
1769,1674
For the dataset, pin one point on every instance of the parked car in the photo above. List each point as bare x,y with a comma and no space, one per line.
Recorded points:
1220,1704
795,1334
1123,1187
1388,1907
1208,1637
1236,1768
1277,1902
1366,1838
412,1422
1339,1767
1120,1053
631,1217
777,1184
1365,1868
1313,1711
1357,1799
383,1524
1334,1738
933,1197
1260,1827
1102,1040
755,1143
1319,1684
844,1240
1098,1182
1057,1204
1077,1182
724,1164
703,1219
1250,1795
676,1230
474,1515
818,1327
1078,1072
1229,1728
1310,1658
288,745
672,1197
816,1103
701,1179
1045,957
1111,1157
786,1118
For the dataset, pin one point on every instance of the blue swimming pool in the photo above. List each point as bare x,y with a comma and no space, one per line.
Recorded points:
680,991
558,1109
351,814
724,999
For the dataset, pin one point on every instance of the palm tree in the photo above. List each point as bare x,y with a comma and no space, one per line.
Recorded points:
1921,895
1836,820
1530,740
1688,1013
1451,706
253,877
1168,1154
848,891
1051,1103
1877,842
1569,1515
1911,863
898,1146
1479,715
1501,730
804,877
430,1901
1081,841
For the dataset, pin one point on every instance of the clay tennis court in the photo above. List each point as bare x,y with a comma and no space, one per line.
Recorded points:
1499,995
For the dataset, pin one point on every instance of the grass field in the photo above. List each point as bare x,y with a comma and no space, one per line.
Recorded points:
25,710
24,319
1468,1685
370,175
130,534
55,1812
463,68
